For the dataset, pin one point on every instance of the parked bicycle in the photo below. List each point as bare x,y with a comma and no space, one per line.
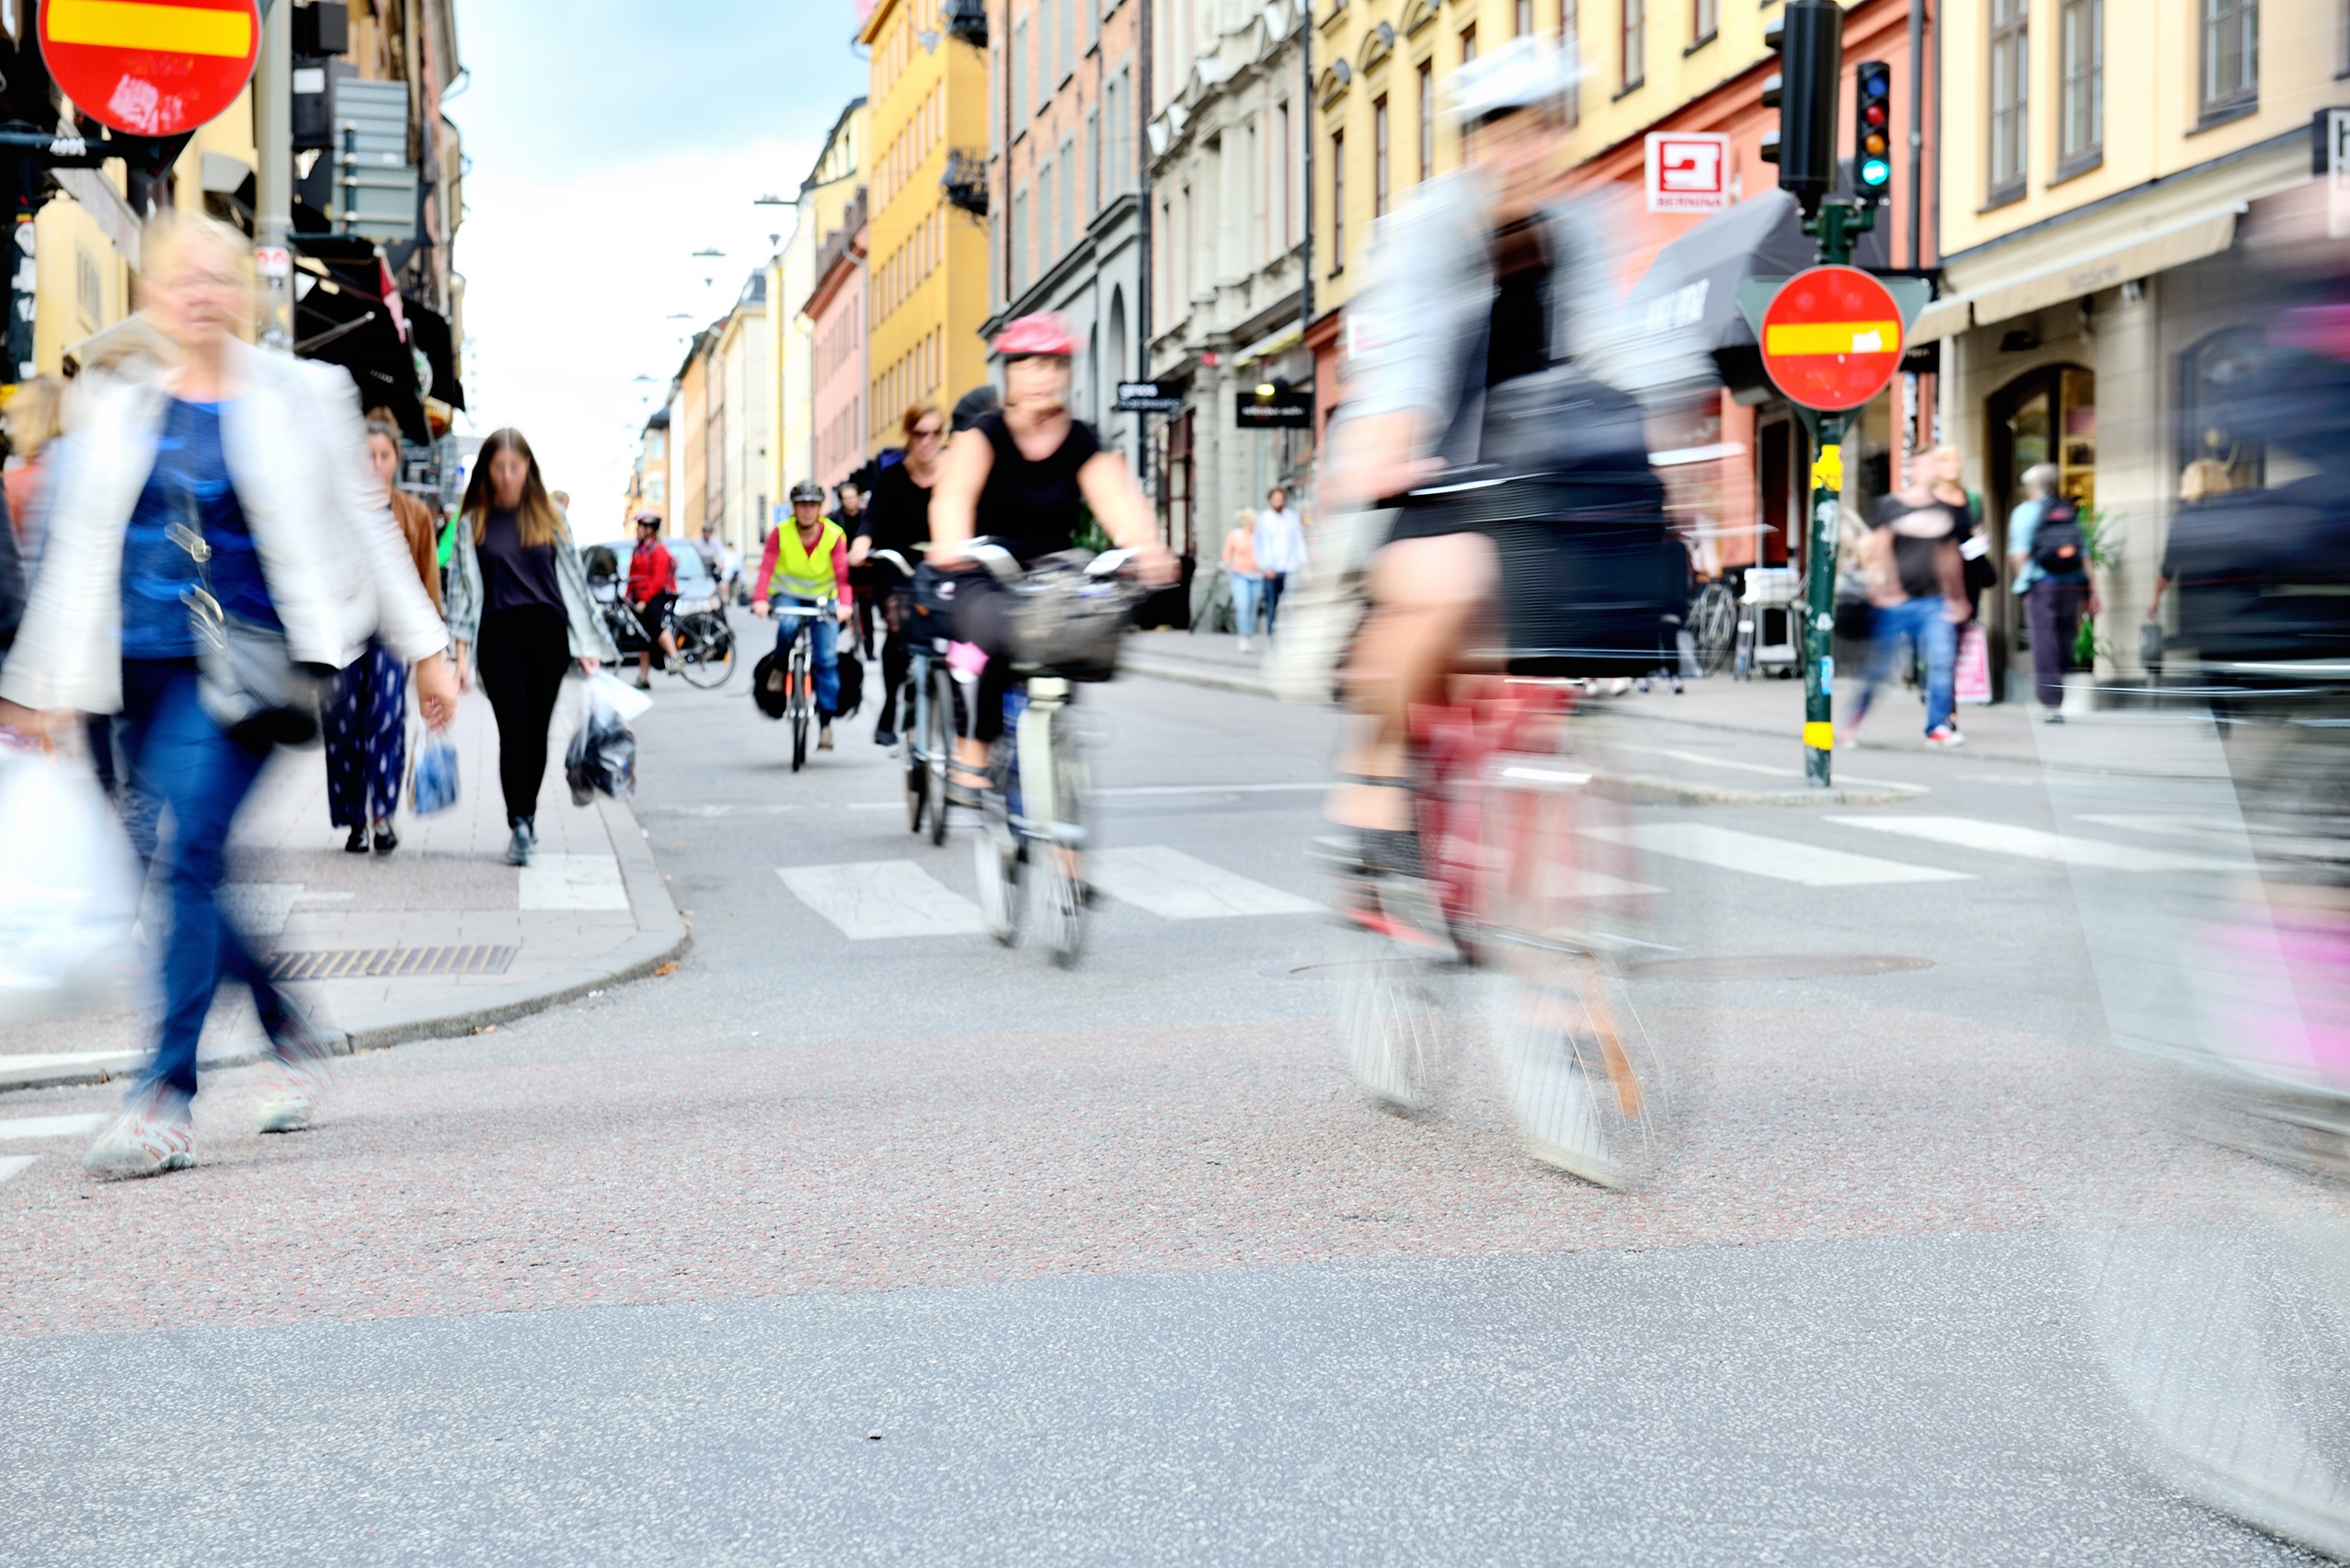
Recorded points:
696,622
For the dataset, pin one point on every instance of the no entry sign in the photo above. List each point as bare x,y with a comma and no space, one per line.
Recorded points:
150,67
1831,338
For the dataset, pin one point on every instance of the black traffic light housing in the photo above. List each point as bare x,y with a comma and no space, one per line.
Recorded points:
1872,131
1809,37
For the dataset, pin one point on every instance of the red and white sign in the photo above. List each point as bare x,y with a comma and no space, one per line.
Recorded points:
150,67
1689,171
1831,338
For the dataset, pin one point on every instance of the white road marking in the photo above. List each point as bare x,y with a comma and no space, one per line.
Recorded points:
572,882
1173,886
15,1129
1781,858
1600,884
1761,768
12,1163
1211,789
2032,843
873,900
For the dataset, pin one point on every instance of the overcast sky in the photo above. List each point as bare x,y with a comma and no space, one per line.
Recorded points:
610,140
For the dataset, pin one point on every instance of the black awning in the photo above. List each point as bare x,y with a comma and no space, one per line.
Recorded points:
1694,283
428,334
345,327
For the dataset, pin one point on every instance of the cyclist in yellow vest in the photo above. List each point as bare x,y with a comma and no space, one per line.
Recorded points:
807,563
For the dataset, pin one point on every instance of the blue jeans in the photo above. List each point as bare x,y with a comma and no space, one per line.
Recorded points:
1247,592
1921,621
827,632
180,761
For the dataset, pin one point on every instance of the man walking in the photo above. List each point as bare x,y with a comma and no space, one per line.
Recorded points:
2049,550
1280,550
1917,585
652,589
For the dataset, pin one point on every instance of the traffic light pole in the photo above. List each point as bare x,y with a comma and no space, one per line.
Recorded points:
1833,225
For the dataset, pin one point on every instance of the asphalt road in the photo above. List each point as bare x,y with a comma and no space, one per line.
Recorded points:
895,1248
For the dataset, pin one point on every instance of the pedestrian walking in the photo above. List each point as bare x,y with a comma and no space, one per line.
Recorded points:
652,589
221,505
1917,585
520,613
34,420
1241,571
2049,552
898,519
2200,482
365,716
1280,550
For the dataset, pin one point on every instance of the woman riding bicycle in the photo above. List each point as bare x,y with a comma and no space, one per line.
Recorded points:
898,518
807,563
1024,475
1508,352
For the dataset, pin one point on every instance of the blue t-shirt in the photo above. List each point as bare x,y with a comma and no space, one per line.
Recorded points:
188,484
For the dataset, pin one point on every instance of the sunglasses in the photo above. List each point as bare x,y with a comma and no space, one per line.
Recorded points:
927,433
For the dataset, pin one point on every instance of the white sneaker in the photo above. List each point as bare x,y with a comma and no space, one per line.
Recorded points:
143,1141
287,1105
1244,645
824,738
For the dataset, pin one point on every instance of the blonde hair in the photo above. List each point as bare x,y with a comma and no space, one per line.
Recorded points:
35,414
2206,477
173,229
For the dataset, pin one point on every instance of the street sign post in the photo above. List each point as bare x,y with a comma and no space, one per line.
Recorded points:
150,70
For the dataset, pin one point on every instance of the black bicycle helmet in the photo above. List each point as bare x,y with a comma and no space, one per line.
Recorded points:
972,405
808,490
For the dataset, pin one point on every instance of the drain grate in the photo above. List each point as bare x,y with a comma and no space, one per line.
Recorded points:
391,963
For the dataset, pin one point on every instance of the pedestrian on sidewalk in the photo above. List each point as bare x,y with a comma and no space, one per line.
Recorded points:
1280,550
520,613
652,589
1241,571
1918,584
225,497
898,518
2049,551
365,715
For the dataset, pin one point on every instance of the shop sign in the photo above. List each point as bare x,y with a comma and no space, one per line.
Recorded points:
1831,338
1689,171
1145,397
1273,405
151,69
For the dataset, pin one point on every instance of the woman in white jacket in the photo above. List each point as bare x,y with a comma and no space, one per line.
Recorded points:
244,474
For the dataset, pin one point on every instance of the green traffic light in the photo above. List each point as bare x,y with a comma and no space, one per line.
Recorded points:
1875,172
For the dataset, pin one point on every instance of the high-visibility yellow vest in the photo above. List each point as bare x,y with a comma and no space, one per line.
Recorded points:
803,572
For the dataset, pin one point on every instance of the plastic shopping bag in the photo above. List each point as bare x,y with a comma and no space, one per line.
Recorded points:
603,756
69,889
1974,673
433,776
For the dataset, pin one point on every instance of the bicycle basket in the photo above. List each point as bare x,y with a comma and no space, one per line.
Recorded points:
1068,624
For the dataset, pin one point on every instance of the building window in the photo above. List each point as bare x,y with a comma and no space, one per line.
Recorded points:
2230,55
1337,202
1093,154
1705,22
1048,236
2010,74
1379,157
1524,18
1635,43
1069,39
2081,42
1069,224
1570,45
1019,75
1427,118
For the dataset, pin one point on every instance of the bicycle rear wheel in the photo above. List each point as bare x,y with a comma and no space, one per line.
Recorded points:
706,649
1392,991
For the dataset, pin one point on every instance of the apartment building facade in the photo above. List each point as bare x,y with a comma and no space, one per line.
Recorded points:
834,181
835,315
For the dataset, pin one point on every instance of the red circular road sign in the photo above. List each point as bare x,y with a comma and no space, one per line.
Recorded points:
1831,338
155,67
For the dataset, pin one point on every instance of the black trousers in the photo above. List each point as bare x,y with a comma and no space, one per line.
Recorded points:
2052,609
897,658
523,655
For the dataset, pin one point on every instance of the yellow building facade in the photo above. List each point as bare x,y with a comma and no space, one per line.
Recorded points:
927,287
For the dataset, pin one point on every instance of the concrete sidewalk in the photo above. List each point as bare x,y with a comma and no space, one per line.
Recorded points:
438,938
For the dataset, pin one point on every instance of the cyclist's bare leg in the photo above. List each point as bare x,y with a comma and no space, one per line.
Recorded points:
1427,596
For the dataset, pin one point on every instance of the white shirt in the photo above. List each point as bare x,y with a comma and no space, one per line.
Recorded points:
1280,542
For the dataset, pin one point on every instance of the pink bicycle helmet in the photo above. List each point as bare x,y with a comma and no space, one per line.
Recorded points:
1046,333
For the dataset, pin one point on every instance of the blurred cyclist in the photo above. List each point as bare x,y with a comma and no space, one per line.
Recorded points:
806,565
1489,278
1023,474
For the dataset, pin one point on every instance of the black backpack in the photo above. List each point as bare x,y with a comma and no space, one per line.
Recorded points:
767,681
2060,546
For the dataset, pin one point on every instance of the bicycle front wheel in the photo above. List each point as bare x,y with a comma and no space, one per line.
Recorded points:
706,649
1583,1085
940,742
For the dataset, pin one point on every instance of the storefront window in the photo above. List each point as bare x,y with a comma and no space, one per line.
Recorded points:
2214,420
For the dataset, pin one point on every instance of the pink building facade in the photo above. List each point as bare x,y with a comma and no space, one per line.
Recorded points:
836,314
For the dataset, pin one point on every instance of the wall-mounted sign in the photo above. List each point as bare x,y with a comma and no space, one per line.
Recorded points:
1273,405
1689,171
1145,397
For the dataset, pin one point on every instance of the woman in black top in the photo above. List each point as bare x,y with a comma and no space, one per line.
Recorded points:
1024,474
897,517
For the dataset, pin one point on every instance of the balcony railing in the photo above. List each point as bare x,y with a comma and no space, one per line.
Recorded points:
965,181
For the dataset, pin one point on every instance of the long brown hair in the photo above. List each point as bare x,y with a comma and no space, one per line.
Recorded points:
536,520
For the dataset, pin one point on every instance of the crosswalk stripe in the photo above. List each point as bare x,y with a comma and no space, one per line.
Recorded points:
1781,858
1173,886
12,1163
17,1129
870,900
2032,843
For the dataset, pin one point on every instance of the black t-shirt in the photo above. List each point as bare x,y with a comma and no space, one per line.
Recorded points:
1035,505
1518,335
896,515
1920,534
513,574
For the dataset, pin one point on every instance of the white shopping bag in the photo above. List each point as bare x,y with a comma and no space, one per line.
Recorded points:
69,889
605,687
